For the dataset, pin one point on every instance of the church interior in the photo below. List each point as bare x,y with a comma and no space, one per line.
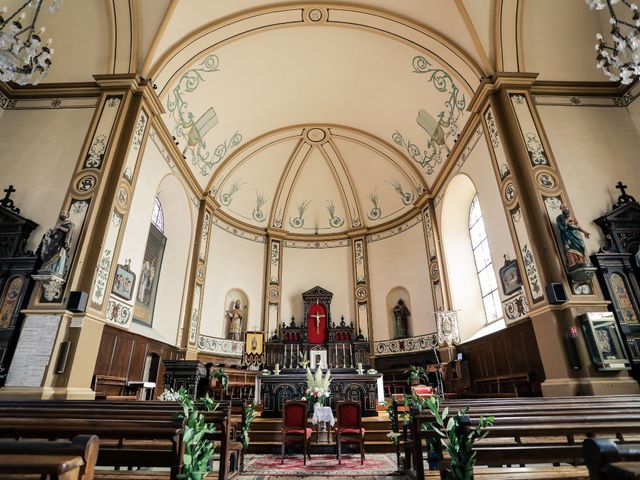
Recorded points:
254,239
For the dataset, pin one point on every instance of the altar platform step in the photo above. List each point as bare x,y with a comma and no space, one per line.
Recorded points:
322,447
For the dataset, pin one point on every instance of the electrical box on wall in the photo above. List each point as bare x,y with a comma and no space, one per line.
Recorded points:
604,341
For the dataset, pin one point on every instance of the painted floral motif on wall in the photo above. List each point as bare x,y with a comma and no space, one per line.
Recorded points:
441,128
191,130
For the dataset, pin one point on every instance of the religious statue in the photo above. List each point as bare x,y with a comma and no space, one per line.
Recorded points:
401,316
55,245
235,314
571,239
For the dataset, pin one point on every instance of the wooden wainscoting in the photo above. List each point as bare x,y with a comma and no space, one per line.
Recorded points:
122,354
505,363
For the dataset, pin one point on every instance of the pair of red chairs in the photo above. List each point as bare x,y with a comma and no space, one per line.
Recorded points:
348,428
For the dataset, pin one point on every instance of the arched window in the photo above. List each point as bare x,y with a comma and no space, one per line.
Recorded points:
484,264
157,217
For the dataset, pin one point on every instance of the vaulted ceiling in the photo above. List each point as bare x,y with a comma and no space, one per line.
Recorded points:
319,117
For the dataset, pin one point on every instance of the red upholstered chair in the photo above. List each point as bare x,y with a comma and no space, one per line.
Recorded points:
294,426
349,427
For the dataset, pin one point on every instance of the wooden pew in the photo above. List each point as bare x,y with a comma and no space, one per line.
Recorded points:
607,460
148,446
66,460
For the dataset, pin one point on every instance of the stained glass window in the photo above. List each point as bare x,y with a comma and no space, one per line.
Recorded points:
484,264
157,217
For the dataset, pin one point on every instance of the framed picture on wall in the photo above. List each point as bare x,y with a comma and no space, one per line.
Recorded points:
124,281
510,277
149,277
604,341
254,343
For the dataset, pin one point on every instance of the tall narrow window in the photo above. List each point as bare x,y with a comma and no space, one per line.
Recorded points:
150,273
484,264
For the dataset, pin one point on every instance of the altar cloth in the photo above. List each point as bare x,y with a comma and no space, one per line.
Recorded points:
322,414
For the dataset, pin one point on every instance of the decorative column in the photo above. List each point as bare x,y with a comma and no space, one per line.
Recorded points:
193,312
532,192
439,290
271,317
96,206
360,262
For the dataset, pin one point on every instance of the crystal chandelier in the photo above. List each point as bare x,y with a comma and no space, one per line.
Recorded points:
24,58
622,60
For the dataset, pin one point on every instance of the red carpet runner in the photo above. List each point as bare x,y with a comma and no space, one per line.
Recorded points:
321,465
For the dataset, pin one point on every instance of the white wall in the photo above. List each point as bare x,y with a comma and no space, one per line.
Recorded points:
401,261
594,148
156,179
233,263
330,268
38,153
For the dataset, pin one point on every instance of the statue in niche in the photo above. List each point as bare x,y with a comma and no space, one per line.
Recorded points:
55,245
401,316
236,315
572,242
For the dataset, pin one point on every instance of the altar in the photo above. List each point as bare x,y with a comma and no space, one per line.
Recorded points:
273,390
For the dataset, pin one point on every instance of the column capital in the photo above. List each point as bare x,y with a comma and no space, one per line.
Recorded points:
498,82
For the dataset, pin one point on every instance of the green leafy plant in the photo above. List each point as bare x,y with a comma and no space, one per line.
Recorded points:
416,374
248,413
198,451
457,436
222,377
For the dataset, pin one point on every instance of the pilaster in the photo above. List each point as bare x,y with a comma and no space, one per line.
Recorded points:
361,289
271,313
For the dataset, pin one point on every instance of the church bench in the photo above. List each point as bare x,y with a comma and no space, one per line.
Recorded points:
498,380
148,446
74,459
607,460
528,440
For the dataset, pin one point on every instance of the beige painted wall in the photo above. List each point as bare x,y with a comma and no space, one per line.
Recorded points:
156,178
233,263
594,148
479,174
330,268
38,153
400,261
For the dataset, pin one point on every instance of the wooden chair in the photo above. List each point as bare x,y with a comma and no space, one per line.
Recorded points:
349,427
294,426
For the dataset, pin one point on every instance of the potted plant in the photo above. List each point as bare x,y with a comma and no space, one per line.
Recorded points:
457,436
218,376
416,375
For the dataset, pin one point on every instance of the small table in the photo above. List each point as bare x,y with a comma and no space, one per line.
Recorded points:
322,416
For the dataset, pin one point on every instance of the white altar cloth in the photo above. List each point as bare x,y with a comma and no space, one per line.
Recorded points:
322,414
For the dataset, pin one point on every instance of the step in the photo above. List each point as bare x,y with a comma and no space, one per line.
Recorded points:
275,447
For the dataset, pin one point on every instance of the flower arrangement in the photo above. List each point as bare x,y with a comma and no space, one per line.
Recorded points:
318,386
169,395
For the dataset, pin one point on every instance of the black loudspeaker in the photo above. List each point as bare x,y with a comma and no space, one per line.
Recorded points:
77,302
556,293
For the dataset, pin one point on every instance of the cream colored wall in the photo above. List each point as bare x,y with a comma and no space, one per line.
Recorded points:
594,148
459,263
400,261
38,153
156,178
233,263
330,268
634,111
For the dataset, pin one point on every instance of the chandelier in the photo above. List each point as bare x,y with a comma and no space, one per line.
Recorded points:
622,60
24,57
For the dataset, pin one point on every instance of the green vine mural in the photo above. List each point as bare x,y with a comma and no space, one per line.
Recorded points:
298,222
334,221
192,131
376,211
439,130
227,198
258,215
407,197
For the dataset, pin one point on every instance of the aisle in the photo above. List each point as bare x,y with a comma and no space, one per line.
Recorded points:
321,466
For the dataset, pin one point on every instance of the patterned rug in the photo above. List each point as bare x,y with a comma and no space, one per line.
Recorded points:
320,465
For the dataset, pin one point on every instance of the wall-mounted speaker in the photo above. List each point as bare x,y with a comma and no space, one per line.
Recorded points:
556,293
77,302
63,354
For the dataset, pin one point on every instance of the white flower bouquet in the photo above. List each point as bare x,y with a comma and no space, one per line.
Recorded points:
318,389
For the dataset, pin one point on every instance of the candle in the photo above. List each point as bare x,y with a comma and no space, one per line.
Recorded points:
285,355
359,367
344,357
337,363
351,353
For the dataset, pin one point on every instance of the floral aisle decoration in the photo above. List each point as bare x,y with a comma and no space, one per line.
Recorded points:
318,386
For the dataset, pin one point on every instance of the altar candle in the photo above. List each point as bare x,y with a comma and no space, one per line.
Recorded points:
344,357
351,353
285,355
359,367
337,363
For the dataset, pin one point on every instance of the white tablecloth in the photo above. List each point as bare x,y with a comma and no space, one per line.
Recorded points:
322,414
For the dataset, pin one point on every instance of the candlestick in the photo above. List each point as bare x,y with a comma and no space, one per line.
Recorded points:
337,363
344,358
351,353
285,355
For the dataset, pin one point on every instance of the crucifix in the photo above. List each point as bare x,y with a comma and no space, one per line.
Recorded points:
620,186
8,202
317,316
